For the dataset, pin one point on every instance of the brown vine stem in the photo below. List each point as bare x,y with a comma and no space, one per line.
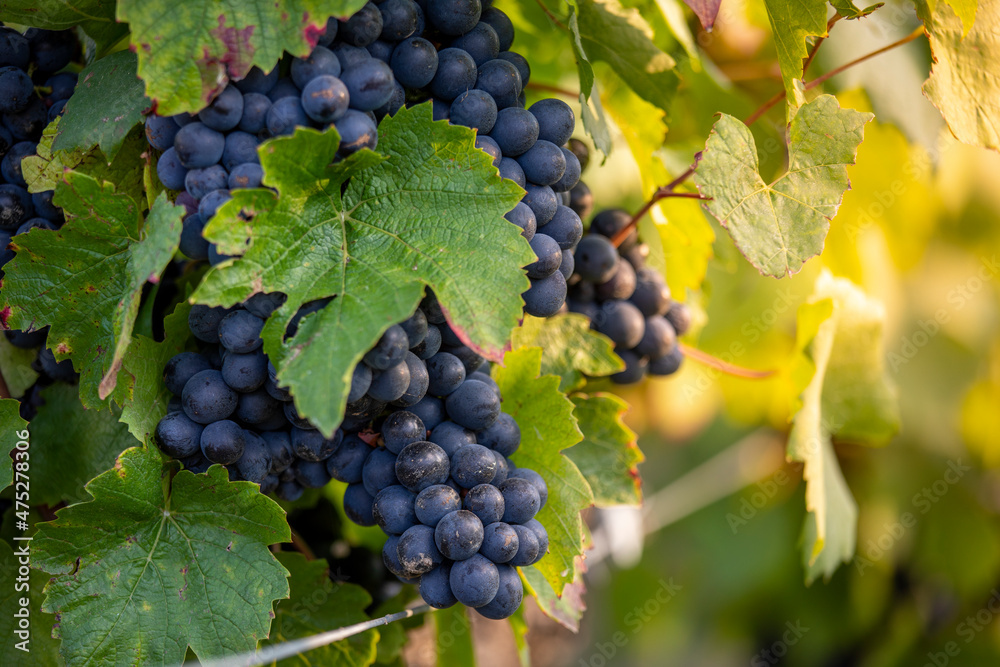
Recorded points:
764,108
723,366
301,546
552,89
552,17
661,193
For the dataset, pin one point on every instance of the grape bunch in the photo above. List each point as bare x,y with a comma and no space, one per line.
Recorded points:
627,301
33,92
423,446
398,52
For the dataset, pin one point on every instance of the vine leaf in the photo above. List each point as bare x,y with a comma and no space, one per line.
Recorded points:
65,463
590,102
15,367
705,10
95,17
842,391
107,103
153,565
43,649
45,170
317,604
85,279
140,391
570,348
792,22
566,609
186,60
847,9
609,454
779,225
964,83
621,38
12,425
548,427
426,210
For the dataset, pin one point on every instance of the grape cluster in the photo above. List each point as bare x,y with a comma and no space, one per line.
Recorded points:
33,92
423,447
394,53
626,300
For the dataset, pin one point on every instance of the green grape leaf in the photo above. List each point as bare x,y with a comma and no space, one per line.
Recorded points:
12,426
77,445
519,627
95,17
454,637
779,225
427,209
847,9
548,427
620,37
964,83
155,564
317,604
590,103
15,367
185,60
609,454
570,348
107,103
45,170
843,392
791,24
140,391
566,609
85,279
41,650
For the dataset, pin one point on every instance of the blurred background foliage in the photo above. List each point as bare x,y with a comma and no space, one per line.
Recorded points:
919,232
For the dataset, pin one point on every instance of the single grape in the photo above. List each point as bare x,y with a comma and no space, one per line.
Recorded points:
521,500
536,481
417,551
453,17
474,581
527,547
160,131
312,446
285,115
181,368
486,502
549,256
255,463
679,317
170,171
611,221
358,505
414,62
310,474
431,344
658,339
356,131
257,82
421,464
177,436
199,182
651,295
399,19
223,441
635,367
379,471
225,111
370,84
390,384
198,146
570,178
546,296
543,202
482,43
435,587
596,259
207,398
523,217
621,322
510,169
668,364
501,25
434,502
459,534
203,321
347,461
419,381
393,509
501,80
239,332
363,27
456,73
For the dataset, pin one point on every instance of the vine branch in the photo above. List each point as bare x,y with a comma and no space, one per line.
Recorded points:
552,17
661,193
724,366
275,652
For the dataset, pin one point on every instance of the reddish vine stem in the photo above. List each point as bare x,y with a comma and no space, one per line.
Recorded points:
661,193
552,89
552,17
724,366
301,546
767,106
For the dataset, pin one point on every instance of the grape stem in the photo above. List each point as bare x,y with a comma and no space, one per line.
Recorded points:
552,17
275,652
723,366
301,546
663,192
